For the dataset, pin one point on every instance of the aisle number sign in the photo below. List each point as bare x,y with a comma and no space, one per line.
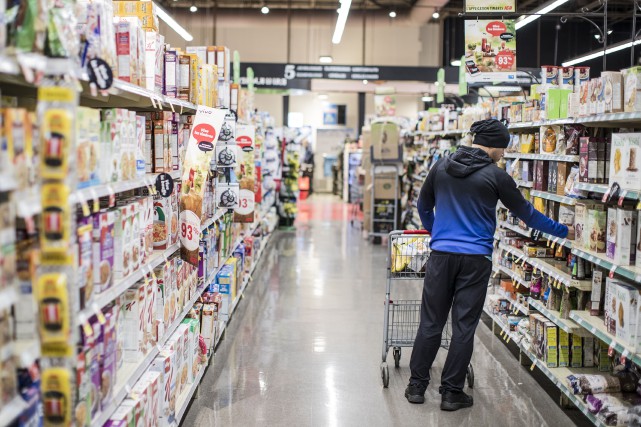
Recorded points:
490,6
200,150
490,50
246,173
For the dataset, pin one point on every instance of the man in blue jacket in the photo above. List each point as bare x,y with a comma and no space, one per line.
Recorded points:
464,189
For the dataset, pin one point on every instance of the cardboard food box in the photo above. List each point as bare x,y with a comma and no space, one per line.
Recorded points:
576,349
625,161
621,228
385,186
551,356
597,295
561,175
134,316
171,78
164,365
612,91
541,175
552,177
596,230
610,305
582,240
625,312
593,163
127,31
193,350
208,325
588,352
154,61
564,348
600,156
583,159
631,89
103,253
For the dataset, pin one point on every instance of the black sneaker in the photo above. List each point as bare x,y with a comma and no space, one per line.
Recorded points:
415,393
455,400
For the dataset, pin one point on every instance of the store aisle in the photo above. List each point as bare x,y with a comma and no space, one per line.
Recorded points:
304,347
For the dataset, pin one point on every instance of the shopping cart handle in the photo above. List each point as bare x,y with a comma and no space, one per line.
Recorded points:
416,232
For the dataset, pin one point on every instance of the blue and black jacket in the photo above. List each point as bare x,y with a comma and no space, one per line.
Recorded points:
464,189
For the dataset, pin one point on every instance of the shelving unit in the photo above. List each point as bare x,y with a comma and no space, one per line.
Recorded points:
513,276
567,325
629,272
554,197
535,156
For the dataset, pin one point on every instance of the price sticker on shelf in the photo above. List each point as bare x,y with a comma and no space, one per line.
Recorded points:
508,339
153,275
625,353
86,327
532,366
164,255
112,196
502,332
85,208
95,200
159,102
171,104
612,270
534,269
146,279
622,197
99,315
612,348
153,101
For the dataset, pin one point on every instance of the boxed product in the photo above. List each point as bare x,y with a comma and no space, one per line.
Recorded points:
128,31
596,225
625,160
193,366
164,365
610,305
564,348
154,61
597,294
552,175
621,233
123,240
613,91
541,170
582,235
588,352
551,356
576,347
103,250
186,358
170,82
626,312
208,325
184,72
147,390
631,89
593,164
563,170
134,320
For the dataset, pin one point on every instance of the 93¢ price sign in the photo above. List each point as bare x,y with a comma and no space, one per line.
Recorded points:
189,230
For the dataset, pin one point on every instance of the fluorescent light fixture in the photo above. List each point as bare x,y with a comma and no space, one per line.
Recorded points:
599,53
598,36
436,15
325,59
193,8
343,11
162,14
455,62
264,10
322,96
524,20
392,14
503,88
365,82
427,99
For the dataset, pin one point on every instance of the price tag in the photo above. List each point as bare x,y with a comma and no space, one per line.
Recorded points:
504,60
639,206
85,208
96,200
171,104
159,102
30,225
99,314
534,269
502,333
496,273
625,353
112,196
606,196
86,327
532,366
622,197
153,275
611,349
612,270
146,279
508,339
153,101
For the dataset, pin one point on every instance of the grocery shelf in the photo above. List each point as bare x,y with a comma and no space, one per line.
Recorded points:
104,298
613,119
603,188
554,197
629,272
549,269
558,376
536,156
595,325
91,193
12,409
516,228
513,275
566,324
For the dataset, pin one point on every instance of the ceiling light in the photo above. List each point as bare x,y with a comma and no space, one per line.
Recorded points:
325,59
455,62
524,20
264,10
341,20
365,82
599,53
436,15
427,99
193,8
322,96
392,14
598,36
162,14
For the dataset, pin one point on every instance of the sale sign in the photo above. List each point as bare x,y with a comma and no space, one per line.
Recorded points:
200,150
490,50
490,5
246,173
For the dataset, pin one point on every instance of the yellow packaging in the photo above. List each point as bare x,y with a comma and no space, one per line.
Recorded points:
55,222
56,397
527,143
194,64
53,314
145,10
564,348
539,204
57,138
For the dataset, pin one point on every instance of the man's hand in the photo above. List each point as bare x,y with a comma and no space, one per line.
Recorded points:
570,235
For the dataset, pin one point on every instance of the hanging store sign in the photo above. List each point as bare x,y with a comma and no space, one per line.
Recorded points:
298,76
490,50
490,6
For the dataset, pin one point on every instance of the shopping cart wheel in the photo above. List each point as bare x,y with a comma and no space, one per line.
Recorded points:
397,357
385,374
470,376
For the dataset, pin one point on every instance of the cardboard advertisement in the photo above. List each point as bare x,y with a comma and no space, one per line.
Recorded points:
490,50
246,174
385,139
200,150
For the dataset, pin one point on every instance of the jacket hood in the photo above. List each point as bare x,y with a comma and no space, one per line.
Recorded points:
465,161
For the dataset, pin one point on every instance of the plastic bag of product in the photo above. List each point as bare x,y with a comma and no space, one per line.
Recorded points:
601,402
592,384
410,253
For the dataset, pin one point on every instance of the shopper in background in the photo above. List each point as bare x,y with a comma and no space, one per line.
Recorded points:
464,190
307,165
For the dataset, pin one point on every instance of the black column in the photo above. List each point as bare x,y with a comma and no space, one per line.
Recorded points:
361,112
285,109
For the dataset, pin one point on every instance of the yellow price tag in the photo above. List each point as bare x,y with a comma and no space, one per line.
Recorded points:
553,245
85,208
502,332
533,366
87,329
534,270
96,205
508,339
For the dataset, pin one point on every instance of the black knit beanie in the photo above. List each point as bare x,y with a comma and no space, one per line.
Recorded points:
490,133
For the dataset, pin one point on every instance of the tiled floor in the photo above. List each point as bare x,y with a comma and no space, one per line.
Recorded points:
304,347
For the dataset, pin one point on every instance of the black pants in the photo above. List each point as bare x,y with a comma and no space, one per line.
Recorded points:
458,282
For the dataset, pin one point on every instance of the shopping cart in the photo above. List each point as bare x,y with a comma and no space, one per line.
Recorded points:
408,252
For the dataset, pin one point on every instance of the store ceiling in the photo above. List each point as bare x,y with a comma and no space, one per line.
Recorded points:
397,5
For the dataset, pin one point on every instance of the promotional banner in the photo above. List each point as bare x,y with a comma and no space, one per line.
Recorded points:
490,50
200,150
246,173
385,105
490,5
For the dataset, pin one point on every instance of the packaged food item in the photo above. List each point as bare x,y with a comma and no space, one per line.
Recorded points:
581,75
55,220
613,91
621,235
87,146
57,142
626,312
631,89
84,274
103,250
56,396
625,161
596,229
164,364
134,316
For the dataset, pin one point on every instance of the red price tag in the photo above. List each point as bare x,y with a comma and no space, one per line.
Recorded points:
505,60
189,230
